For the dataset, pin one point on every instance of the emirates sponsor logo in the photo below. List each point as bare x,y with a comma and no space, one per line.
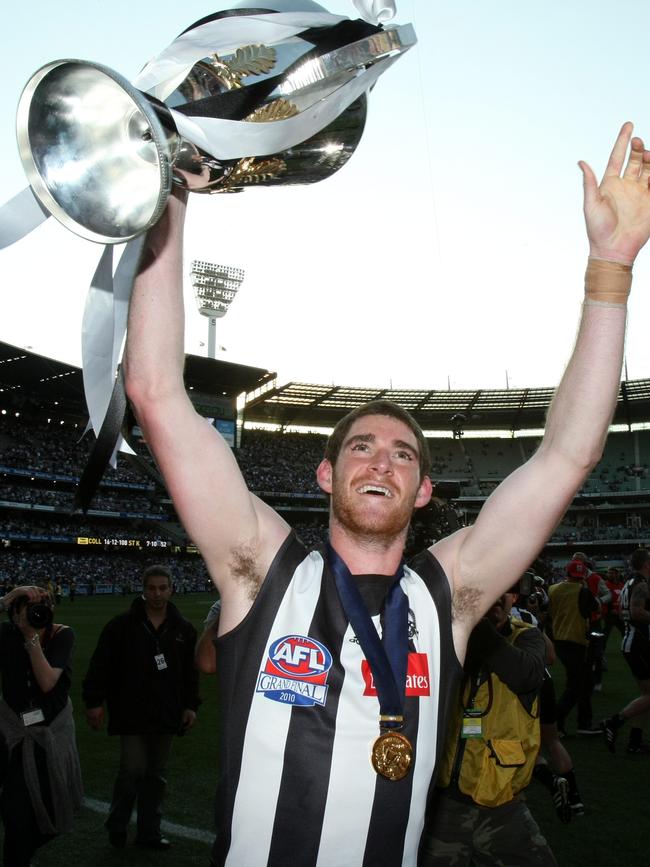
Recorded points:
418,681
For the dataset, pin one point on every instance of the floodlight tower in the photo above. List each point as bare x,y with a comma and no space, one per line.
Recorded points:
215,287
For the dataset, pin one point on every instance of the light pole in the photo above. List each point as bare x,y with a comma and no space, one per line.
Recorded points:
215,287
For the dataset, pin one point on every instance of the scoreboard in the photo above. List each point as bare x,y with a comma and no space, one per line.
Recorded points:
138,544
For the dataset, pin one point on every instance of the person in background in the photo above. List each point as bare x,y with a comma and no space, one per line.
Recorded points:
635,612
615,581
556,774
206,653
596,648
476,815
41,777
570,605
143,669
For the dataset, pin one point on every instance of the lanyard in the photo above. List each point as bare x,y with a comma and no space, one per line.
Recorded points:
387,657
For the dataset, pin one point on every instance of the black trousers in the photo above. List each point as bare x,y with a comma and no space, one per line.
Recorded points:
579,683
141,778
22,837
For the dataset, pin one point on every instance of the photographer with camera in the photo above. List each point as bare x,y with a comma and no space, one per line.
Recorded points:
39,765
477,814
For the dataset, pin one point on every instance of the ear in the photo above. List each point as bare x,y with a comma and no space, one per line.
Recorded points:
324,476
424,493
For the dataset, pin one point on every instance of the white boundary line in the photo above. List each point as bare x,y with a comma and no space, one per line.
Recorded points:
169,827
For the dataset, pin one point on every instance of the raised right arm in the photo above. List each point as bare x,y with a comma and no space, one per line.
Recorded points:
236,533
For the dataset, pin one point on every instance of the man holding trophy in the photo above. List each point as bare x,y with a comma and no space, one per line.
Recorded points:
336,666
330,737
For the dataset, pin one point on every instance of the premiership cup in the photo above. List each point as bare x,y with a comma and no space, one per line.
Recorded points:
101,153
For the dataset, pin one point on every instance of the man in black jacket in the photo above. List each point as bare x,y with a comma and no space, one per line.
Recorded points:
143,668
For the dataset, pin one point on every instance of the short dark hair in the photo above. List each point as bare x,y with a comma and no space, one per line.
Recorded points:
150,571
639,557
378,407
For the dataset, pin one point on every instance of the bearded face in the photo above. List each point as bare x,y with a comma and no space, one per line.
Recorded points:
371,510
375,484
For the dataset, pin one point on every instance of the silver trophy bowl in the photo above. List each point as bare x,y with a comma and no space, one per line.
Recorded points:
101,155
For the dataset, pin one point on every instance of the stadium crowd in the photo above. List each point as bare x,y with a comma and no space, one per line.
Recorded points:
118,572
41,547
68,572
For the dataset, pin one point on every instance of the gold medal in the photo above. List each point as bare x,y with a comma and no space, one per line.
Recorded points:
392,755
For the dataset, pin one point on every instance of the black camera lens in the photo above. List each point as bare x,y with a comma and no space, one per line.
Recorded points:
39,615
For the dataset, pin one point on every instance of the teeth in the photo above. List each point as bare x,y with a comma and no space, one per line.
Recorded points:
374,489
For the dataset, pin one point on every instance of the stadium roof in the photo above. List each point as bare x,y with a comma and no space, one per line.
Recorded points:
30,381
481,409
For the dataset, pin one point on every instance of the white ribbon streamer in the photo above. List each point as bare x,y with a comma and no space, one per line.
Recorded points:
375,11
105,314
103,330
97,340
232,139
162,75
20,216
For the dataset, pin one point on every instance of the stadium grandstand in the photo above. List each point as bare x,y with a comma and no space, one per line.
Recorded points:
278,433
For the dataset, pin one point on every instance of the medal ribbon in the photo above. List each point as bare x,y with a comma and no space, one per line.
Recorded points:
388,656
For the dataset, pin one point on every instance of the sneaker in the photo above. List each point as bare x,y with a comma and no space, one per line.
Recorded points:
639,749
575,804
161,843
560,797
589,730
609,733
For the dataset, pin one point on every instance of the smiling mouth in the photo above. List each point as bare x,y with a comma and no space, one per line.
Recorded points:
375,490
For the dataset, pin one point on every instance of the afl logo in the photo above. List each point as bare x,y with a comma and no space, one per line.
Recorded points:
300,656
296,671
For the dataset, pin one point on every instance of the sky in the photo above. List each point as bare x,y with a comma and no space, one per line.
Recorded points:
448,252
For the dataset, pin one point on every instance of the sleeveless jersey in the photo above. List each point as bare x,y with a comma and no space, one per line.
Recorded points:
299,715
636,634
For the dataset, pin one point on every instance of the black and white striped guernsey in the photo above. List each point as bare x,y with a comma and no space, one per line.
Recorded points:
636,635
299,715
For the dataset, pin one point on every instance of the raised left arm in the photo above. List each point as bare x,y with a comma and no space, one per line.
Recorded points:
483,561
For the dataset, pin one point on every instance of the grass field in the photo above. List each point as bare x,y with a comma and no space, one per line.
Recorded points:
614,788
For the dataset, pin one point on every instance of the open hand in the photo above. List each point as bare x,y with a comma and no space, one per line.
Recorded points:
617,212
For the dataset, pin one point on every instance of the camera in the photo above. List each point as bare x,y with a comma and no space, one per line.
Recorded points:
525,586
39,614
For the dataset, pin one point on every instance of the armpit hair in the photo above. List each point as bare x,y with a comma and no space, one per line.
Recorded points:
243,568
466,602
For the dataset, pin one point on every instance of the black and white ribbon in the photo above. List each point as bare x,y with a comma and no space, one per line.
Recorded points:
105,316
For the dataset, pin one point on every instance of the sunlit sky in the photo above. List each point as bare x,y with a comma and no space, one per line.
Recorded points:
449,250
